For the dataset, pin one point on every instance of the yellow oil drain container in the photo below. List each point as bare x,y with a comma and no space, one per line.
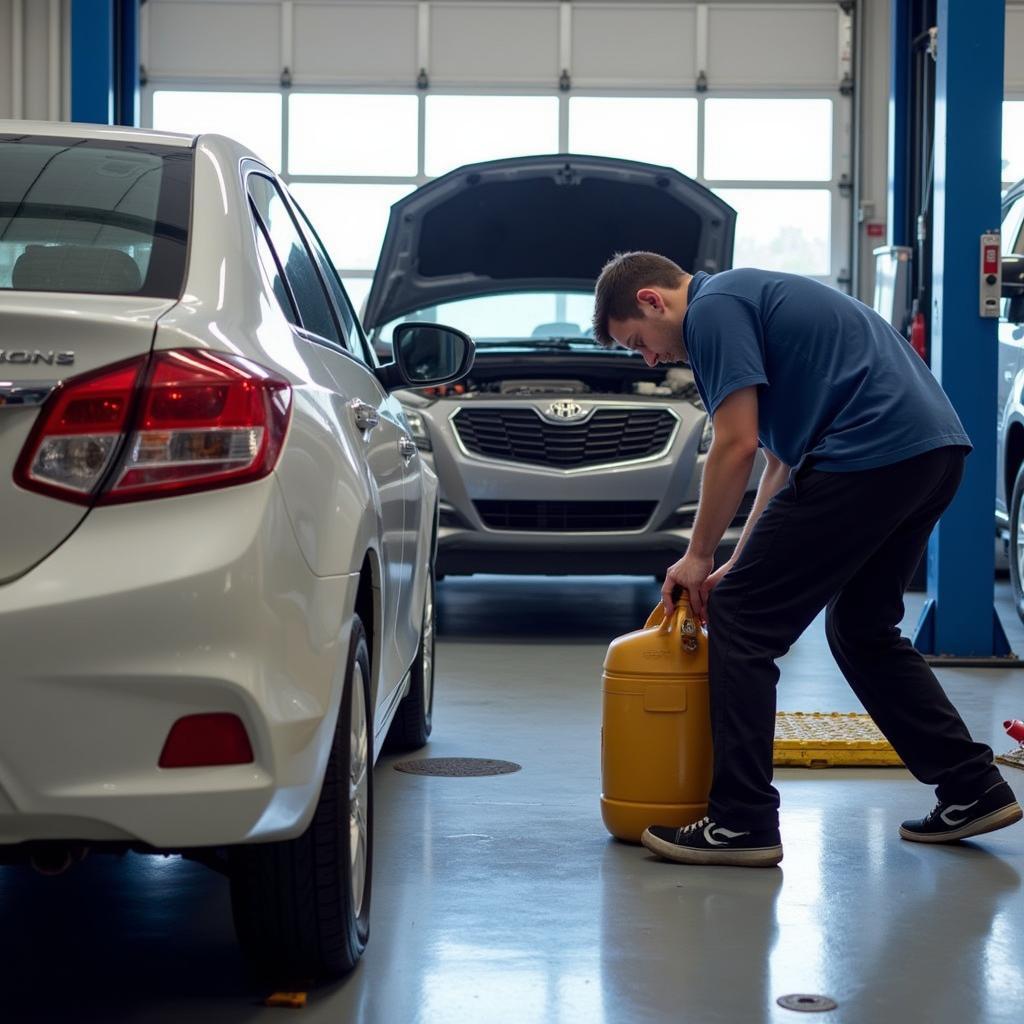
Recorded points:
656,727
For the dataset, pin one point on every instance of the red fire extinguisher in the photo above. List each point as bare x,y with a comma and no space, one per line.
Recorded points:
917,336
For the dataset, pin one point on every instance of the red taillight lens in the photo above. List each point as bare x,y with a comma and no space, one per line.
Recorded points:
205,420
78,432
202,741
201,420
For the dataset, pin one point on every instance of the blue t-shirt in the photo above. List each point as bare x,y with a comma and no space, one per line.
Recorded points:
836,383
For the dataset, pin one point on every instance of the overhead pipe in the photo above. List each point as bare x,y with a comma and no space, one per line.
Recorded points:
54,58
17,59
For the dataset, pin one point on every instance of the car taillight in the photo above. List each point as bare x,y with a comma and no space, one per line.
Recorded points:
199,420
78,432
201,741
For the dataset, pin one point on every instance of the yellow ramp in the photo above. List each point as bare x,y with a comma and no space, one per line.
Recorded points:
830,740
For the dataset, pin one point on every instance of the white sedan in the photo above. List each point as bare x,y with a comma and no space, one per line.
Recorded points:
216,535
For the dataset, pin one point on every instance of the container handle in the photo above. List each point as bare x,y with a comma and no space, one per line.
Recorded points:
682,620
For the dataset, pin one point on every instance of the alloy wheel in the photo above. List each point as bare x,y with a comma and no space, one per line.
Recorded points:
358,789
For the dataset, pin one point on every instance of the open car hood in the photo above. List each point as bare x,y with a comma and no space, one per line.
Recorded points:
540,223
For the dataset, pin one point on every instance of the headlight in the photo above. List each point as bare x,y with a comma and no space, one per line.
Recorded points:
707,437
418,429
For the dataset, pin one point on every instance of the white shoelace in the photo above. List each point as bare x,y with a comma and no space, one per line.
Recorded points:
687,829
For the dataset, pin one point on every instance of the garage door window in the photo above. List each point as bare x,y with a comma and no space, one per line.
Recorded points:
252,118
351,154
357,134
655,129
751,144
782,229
467,129
768,140
351,219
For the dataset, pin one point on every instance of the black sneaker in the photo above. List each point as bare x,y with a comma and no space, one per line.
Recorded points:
995,808
707,842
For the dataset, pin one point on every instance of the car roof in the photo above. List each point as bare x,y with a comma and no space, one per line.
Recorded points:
100,132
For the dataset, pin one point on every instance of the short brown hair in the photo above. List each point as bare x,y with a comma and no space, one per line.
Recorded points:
621,278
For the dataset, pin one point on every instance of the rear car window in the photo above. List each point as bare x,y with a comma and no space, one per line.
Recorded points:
93,216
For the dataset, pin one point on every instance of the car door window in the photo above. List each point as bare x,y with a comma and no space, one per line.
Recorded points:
274,272
300,272
349,321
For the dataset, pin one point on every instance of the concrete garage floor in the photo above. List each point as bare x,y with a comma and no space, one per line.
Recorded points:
503,900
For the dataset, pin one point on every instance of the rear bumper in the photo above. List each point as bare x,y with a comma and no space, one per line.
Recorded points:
146,614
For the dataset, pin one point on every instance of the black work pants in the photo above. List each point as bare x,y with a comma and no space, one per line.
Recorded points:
851,542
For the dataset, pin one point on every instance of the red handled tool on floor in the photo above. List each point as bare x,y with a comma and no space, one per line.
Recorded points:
1015,730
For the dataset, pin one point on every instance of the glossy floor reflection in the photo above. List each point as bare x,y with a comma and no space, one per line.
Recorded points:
503,900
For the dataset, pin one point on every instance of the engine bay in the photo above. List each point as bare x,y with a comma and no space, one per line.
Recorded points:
612,375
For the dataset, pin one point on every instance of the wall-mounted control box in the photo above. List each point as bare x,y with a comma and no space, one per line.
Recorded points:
990,290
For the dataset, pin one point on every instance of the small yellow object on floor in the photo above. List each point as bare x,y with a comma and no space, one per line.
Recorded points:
289,1000
833,740
1014,758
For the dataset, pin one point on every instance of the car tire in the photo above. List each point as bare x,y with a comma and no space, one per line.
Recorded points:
414,719
302,906
1016,548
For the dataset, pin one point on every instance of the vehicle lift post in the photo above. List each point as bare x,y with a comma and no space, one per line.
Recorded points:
105,61
959,624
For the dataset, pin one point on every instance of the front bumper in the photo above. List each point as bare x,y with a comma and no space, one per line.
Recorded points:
667,486
147,613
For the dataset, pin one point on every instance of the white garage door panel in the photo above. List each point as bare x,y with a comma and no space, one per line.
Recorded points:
36,70
357,42
1014,73
773,46
646,44
212,40
484,43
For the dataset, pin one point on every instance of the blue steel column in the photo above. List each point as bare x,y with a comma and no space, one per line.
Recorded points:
899,123
959,618
92,61
128,62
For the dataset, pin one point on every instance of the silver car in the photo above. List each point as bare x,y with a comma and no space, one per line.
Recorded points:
555,455
216,587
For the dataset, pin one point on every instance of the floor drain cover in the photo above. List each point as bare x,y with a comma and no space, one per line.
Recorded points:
807,1004
457,767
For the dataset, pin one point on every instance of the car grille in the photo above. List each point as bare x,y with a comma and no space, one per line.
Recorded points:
565,516
522,435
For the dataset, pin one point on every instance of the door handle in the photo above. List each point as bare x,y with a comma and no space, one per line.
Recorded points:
407,446
366,416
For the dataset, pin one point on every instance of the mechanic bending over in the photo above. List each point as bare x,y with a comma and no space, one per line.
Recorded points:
864,453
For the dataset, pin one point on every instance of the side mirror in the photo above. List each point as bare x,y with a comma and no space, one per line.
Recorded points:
427,355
